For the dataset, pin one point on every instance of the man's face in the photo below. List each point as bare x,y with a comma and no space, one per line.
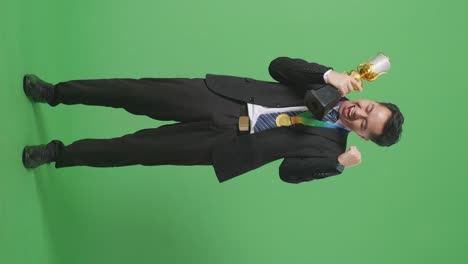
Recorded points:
364,117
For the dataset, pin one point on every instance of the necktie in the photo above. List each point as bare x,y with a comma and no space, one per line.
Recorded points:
268,121
331,116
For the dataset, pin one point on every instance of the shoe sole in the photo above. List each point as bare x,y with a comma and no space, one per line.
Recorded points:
25,86
23,158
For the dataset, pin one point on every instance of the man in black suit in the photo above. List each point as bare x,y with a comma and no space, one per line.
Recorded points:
224,121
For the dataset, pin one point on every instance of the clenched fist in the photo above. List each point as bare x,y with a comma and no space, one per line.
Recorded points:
343,82
350,158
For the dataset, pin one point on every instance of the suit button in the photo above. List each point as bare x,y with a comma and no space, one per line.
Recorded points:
251,99
277,105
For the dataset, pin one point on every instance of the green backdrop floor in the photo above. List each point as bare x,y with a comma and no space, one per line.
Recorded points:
404,204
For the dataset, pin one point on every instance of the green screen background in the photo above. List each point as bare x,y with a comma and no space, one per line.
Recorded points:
404,204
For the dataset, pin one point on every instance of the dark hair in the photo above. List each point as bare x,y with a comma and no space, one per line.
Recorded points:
392,128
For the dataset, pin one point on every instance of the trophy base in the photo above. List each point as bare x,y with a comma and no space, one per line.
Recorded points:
322,100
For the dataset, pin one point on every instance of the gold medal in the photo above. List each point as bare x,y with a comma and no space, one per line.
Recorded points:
283,120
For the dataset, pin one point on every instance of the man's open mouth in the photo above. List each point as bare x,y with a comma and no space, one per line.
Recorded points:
349,111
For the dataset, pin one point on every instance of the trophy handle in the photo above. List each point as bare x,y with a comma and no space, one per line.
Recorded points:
373,78
356,76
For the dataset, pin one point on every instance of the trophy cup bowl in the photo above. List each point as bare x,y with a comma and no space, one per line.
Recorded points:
372,69
322,100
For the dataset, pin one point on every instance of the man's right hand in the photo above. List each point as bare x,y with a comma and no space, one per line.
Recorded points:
343,82
350,158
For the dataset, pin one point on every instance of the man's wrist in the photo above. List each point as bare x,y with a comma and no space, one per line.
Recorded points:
340,167
325,76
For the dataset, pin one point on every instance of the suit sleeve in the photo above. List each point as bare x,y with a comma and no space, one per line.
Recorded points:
297,72
297,170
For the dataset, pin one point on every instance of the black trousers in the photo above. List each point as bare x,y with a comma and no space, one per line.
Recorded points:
204,117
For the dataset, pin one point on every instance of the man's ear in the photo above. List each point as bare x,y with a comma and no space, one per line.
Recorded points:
365,138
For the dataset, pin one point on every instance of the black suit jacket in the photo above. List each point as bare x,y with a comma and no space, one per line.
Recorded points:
309,152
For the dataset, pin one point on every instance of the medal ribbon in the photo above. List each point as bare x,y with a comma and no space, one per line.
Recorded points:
308,119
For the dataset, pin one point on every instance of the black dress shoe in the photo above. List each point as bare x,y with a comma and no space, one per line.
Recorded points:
34,156
37,89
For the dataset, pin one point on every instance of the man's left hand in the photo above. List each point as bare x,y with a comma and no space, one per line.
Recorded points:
350,158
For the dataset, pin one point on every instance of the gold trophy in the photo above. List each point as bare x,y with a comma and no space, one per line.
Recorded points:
322,100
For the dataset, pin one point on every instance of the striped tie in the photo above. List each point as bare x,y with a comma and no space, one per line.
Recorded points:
331,116
268,121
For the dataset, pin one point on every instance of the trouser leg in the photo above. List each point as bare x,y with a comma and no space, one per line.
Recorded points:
175,144
179,99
